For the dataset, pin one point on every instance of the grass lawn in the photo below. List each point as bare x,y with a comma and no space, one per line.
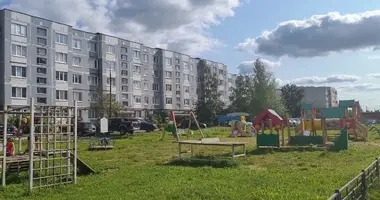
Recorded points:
138,169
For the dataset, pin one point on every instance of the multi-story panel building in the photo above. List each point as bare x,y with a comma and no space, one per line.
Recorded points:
321,97
57,64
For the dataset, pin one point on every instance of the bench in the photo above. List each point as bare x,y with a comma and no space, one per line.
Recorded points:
212,142
17,167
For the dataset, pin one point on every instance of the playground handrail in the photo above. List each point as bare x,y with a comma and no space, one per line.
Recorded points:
357,187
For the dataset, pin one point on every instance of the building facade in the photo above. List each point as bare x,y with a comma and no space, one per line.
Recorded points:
57,64
321,97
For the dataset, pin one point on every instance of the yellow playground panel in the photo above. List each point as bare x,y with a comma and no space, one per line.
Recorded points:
331,124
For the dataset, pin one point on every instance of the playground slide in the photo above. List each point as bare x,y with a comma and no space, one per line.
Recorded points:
84,168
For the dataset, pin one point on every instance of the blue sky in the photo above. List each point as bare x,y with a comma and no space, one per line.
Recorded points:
335,49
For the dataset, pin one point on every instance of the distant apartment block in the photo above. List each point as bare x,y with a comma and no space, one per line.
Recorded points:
321,97
57,64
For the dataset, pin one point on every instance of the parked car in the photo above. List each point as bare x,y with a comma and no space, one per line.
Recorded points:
11,129
123,125
86,128
147,126
136,123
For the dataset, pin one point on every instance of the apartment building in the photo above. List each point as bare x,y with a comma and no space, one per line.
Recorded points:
321,97
57,64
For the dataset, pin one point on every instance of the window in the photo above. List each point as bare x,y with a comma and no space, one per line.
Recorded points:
185,65
124,73
137,99
178,74
41,90
187,89
155,100
155,87
17,29
125,103
60,38
77,96
77,61
42,100
146,100
92,63
145,58
18,50
169,100
178,99
92,46
124,88
178,80
137,85
93,80
177,68
186,101
124,81
168,74
178,87
41,32
136,69
77,78
156,73
168,61
187,77
145,71
111,81
177,92
124,50
41,51
77,44
18,71
168,87
111,65
191,67
124,57
60,57
221,72
110,49
92,113
61,94
136,54
124,96
124,65
18,92
176,61
60,76
41,70
41,80
155,59
41,41
145,85
92,97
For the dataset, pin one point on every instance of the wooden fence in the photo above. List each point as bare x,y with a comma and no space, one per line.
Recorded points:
356,189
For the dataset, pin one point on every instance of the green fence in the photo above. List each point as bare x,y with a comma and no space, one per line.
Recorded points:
357,187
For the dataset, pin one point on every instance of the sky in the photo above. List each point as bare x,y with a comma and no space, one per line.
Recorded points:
318,43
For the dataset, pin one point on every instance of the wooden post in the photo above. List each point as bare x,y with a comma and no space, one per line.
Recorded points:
262,127
289,134
377,167
282,133
4,167
324,131
303,120
31,145
364,184
270,126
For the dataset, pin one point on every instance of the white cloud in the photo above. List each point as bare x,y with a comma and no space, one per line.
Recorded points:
316,80
247,66
377,75
319,35
180,25
364,87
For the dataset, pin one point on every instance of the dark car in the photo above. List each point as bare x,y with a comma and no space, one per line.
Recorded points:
11,129
86,128
123,125
147,126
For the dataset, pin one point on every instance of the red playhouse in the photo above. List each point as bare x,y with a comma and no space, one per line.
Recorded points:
267,116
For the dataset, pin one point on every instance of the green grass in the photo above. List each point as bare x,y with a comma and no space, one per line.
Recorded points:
143,168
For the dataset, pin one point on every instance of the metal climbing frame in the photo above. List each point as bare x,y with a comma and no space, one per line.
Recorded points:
52,147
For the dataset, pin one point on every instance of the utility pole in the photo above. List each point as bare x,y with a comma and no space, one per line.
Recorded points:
110,111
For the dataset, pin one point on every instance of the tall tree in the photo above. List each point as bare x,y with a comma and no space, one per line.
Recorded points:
292,97
209,104
103,105
242,94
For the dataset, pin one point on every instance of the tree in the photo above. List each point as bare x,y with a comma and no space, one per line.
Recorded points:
103,105
256,91
292,97
209,104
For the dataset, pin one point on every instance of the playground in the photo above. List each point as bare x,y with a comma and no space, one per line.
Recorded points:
276,158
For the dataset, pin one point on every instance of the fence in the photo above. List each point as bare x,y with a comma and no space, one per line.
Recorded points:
356,189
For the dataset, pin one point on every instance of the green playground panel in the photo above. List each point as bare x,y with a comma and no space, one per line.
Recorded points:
347,103
336,112
303,140
170,128
268,140
306,106
341,141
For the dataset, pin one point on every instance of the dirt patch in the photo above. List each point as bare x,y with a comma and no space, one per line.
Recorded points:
110,170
